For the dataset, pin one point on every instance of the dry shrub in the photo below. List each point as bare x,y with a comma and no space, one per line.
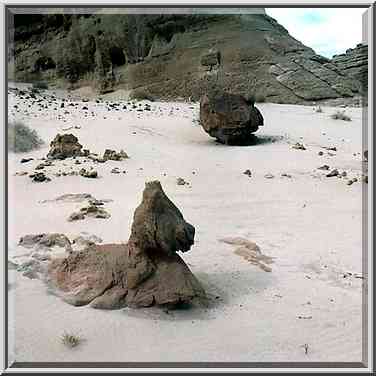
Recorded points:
22,139
70,340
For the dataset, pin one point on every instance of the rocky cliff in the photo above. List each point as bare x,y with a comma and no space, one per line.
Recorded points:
175,56
354,63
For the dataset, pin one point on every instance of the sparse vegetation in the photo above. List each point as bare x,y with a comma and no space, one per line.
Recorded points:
70,340
40,85
318,109
21,138
340,115
141,94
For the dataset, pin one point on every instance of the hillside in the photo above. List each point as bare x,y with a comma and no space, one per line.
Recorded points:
174,56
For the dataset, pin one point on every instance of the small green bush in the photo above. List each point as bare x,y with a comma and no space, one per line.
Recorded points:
141,94
22,139
340,115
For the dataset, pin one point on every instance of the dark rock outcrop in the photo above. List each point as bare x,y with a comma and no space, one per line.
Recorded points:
144,272
240,52
230,118
112,155
64,146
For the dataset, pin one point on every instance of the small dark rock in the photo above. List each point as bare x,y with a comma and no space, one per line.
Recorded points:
332,173
25,160
88,174
39,177
181,181
299,146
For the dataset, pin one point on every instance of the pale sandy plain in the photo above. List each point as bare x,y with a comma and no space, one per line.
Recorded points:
310,224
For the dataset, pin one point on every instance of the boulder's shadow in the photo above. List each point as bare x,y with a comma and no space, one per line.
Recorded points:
254,140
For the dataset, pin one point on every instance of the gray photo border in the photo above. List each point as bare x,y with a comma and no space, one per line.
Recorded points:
367,220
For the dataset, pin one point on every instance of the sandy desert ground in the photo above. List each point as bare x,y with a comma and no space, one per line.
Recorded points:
310,224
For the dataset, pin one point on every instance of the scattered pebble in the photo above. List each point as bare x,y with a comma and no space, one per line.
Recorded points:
248,173
115,170
39,177
25,160
40,167
331,148
299,146
181,181
88,174
332,173
352,181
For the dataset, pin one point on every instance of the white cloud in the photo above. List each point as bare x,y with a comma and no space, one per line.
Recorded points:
327,30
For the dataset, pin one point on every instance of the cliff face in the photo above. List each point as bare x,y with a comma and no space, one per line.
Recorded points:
175,56
354,63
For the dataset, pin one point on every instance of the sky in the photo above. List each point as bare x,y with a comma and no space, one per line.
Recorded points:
329,31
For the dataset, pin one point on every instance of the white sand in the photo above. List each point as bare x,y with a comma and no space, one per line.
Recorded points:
310,224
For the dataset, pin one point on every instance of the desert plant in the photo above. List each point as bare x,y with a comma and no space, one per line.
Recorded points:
40,85
70,340
21,138
318,109
141,94
340,115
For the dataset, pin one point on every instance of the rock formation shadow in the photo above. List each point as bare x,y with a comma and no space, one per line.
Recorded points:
227,288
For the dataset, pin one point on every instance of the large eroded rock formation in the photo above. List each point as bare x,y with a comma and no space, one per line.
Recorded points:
230,118
144,272
64,146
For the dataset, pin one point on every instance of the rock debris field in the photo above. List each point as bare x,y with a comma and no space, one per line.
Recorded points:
273,230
